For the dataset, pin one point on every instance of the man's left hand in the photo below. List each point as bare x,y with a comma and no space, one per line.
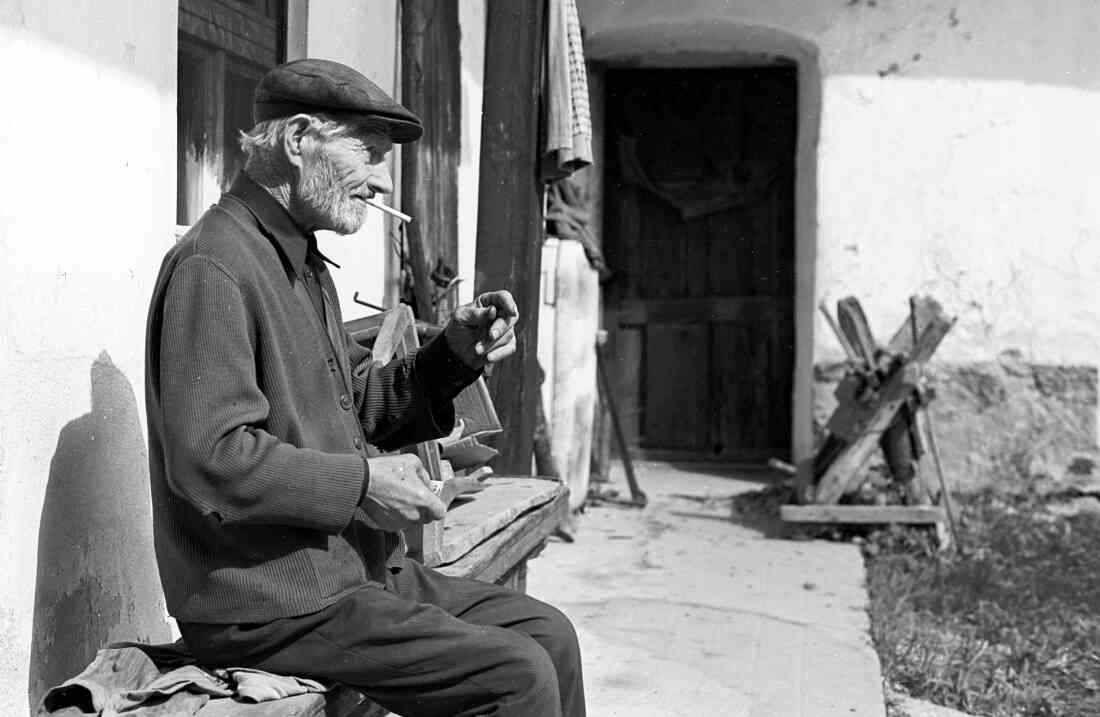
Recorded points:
483,332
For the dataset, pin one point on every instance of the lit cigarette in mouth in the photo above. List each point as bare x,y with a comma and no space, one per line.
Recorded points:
389,210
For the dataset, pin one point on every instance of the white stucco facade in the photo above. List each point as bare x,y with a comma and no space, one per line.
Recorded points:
471,20
361,34
88,137
951,146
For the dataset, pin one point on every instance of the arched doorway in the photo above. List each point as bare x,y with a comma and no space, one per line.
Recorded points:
700,227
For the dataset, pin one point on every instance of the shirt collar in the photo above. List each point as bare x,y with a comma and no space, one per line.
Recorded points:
275,222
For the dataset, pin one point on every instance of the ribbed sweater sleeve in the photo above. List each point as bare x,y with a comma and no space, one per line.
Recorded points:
409,399
220,459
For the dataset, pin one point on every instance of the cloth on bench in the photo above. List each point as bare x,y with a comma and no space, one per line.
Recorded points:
129,680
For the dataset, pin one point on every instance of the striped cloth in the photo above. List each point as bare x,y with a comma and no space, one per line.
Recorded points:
568,120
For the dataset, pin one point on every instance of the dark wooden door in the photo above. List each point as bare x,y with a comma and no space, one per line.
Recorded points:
700,231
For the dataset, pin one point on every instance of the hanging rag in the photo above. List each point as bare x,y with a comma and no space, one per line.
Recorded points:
567,118
568,214
729,184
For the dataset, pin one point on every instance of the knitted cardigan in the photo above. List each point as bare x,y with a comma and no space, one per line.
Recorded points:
260,422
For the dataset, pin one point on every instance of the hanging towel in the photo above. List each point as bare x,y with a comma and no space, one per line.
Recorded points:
567,118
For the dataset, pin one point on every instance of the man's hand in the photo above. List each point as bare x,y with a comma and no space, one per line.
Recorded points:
399,494
483,332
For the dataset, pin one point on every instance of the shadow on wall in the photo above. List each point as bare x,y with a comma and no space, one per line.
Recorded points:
97,579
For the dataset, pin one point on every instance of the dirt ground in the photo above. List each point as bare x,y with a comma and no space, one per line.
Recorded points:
690,608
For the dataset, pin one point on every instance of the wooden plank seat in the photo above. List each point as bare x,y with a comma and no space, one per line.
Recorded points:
487,536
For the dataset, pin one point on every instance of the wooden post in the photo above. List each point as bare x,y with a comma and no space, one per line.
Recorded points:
430,66
510,226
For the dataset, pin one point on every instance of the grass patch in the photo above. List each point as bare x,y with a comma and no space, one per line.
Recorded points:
1009,627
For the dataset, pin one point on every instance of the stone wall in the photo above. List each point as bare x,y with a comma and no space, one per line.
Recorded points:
1005,423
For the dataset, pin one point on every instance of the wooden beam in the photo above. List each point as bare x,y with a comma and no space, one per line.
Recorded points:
851,415
430,66
637,312
854,458
510,214
856,329
912,514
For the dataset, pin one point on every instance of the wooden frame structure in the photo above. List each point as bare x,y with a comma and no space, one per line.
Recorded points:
882,402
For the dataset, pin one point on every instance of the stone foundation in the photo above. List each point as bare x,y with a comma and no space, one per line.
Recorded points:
1003,422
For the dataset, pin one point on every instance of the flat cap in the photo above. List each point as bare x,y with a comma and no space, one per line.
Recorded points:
314,85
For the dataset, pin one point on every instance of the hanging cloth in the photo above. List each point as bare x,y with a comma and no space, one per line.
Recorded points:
729,185
567,119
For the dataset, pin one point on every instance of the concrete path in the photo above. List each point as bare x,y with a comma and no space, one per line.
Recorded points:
685,609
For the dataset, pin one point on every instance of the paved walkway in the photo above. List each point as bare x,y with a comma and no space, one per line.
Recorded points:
683,610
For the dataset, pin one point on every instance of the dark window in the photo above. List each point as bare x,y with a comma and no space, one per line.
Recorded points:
225,46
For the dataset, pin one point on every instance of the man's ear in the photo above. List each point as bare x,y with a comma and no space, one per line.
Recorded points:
296,129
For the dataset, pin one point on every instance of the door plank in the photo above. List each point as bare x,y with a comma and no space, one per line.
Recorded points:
662,251
633,312
676,398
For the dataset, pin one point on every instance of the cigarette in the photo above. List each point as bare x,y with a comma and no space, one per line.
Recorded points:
389,210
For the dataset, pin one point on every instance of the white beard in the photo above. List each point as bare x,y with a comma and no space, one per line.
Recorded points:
321,198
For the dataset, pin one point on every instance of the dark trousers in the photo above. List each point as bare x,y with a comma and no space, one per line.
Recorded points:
427,644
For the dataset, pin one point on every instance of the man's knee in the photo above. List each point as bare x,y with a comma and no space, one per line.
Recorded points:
556,634
526,672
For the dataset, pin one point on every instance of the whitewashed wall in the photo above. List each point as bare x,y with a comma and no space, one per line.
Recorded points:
954,155
364,34
471,20
87,133
361,34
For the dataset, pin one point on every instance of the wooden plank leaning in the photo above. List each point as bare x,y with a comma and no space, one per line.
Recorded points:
865,412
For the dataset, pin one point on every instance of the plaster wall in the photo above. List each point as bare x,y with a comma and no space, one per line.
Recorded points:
361,34
88,141
471,21
951,144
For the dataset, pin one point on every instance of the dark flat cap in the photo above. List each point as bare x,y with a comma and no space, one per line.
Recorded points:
324,86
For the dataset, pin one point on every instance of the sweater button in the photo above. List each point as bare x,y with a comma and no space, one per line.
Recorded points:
345,402
357,442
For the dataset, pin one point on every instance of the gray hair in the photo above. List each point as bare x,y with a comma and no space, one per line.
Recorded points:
264,160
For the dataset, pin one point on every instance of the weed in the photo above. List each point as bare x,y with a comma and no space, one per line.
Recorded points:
1010,627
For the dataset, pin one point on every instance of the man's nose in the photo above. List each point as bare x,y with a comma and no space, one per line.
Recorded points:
379,180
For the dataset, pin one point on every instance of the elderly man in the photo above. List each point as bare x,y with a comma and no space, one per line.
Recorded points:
276,517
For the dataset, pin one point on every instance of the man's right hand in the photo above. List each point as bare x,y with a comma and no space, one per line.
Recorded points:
399,495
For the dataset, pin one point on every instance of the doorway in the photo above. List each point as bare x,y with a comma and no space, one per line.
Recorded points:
700,232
